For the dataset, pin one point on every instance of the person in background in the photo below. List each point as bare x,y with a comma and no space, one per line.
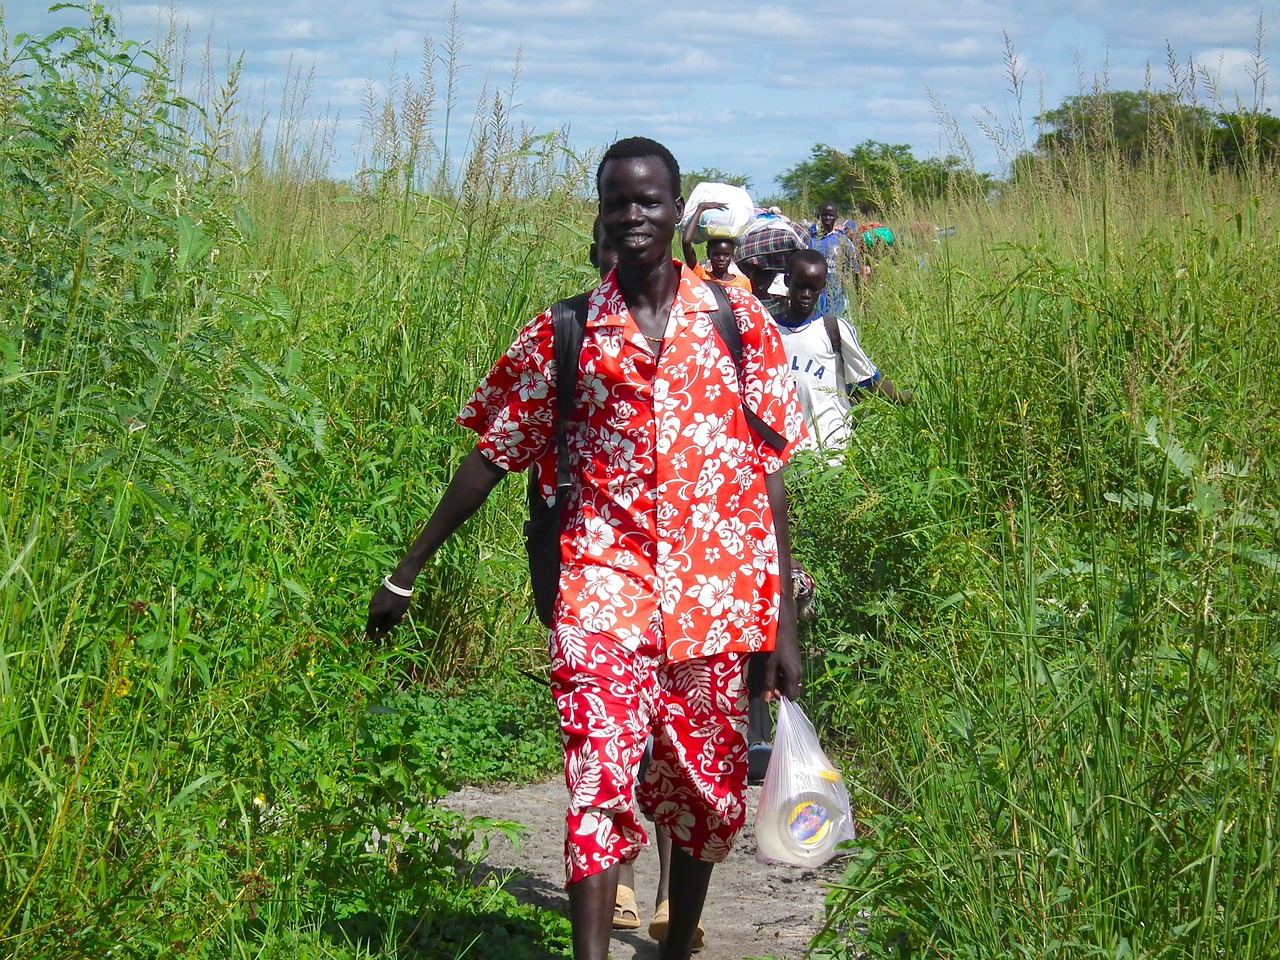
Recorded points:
844,268
601,253
666,585
763,253
875,239
827,384
720,266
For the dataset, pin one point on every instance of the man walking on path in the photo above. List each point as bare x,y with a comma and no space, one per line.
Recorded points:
673,546
844,268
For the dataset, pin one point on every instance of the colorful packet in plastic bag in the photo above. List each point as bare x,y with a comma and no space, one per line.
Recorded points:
804,808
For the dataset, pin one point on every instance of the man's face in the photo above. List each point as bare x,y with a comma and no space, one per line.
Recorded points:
805,285
603,257
827,217
639,209
761,280
721,255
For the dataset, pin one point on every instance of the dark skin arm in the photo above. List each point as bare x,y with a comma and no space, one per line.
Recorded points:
783,673
691,228
884,386
467,491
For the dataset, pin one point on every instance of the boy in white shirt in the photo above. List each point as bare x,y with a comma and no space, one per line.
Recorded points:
827,385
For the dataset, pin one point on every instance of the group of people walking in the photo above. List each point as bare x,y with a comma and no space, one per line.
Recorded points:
803,276
675,552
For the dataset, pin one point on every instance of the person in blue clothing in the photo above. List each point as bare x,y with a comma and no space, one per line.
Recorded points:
844,268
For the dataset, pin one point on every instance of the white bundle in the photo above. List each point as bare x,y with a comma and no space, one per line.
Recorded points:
729,223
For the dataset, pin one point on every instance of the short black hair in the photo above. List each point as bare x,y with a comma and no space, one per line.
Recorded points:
733,244
642,147
809,256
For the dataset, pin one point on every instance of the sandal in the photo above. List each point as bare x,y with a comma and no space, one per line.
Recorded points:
662,920
626,914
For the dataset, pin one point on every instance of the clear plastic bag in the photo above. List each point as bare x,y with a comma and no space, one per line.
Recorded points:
804,808
719,224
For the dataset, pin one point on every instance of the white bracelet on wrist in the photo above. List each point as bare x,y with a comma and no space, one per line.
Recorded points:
397,590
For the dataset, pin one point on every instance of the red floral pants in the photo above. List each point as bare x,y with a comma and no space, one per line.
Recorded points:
609,697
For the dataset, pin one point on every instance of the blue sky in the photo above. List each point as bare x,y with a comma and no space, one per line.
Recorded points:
747,87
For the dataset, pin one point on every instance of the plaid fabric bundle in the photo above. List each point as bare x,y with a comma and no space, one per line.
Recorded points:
769,244
804,588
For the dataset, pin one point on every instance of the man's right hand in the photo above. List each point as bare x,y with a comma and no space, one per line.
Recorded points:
471,485
386,609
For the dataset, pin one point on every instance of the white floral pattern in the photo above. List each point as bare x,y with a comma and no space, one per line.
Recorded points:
670,489
609,693
669,561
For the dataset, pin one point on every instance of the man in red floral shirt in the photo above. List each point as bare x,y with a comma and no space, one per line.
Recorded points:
673,547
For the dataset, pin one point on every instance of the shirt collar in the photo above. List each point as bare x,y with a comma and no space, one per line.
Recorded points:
782,321
607,308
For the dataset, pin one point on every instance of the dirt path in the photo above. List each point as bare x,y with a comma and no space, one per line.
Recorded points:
753,909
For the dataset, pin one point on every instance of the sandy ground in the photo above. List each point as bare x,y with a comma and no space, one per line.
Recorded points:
753,909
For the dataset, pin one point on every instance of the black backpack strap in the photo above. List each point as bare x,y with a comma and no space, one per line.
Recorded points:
543,528
568,323
727,327
837,344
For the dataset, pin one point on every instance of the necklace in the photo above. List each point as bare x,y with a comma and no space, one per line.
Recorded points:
651,339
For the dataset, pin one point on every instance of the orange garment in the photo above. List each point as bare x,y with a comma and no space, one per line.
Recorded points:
736,277
669,522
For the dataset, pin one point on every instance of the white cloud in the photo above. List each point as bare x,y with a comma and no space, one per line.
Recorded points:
290,29
1193,25
749,89
1234,77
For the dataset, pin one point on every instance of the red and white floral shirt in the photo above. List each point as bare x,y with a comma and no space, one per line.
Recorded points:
670,518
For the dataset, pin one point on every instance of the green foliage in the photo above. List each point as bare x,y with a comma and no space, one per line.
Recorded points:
872,530
497,729
1243,139
1050,647
1135,125
873,177
691,178
199,485
1047,635
1127,121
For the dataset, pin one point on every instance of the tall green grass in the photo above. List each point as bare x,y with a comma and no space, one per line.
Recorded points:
226,400
1051,609
1048,632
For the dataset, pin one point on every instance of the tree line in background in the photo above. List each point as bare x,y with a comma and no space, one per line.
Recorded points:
1134,123
873,177
869,178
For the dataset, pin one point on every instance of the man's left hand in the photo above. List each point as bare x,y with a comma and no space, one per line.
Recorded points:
785,669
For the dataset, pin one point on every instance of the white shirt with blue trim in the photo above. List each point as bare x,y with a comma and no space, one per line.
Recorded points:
813,368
